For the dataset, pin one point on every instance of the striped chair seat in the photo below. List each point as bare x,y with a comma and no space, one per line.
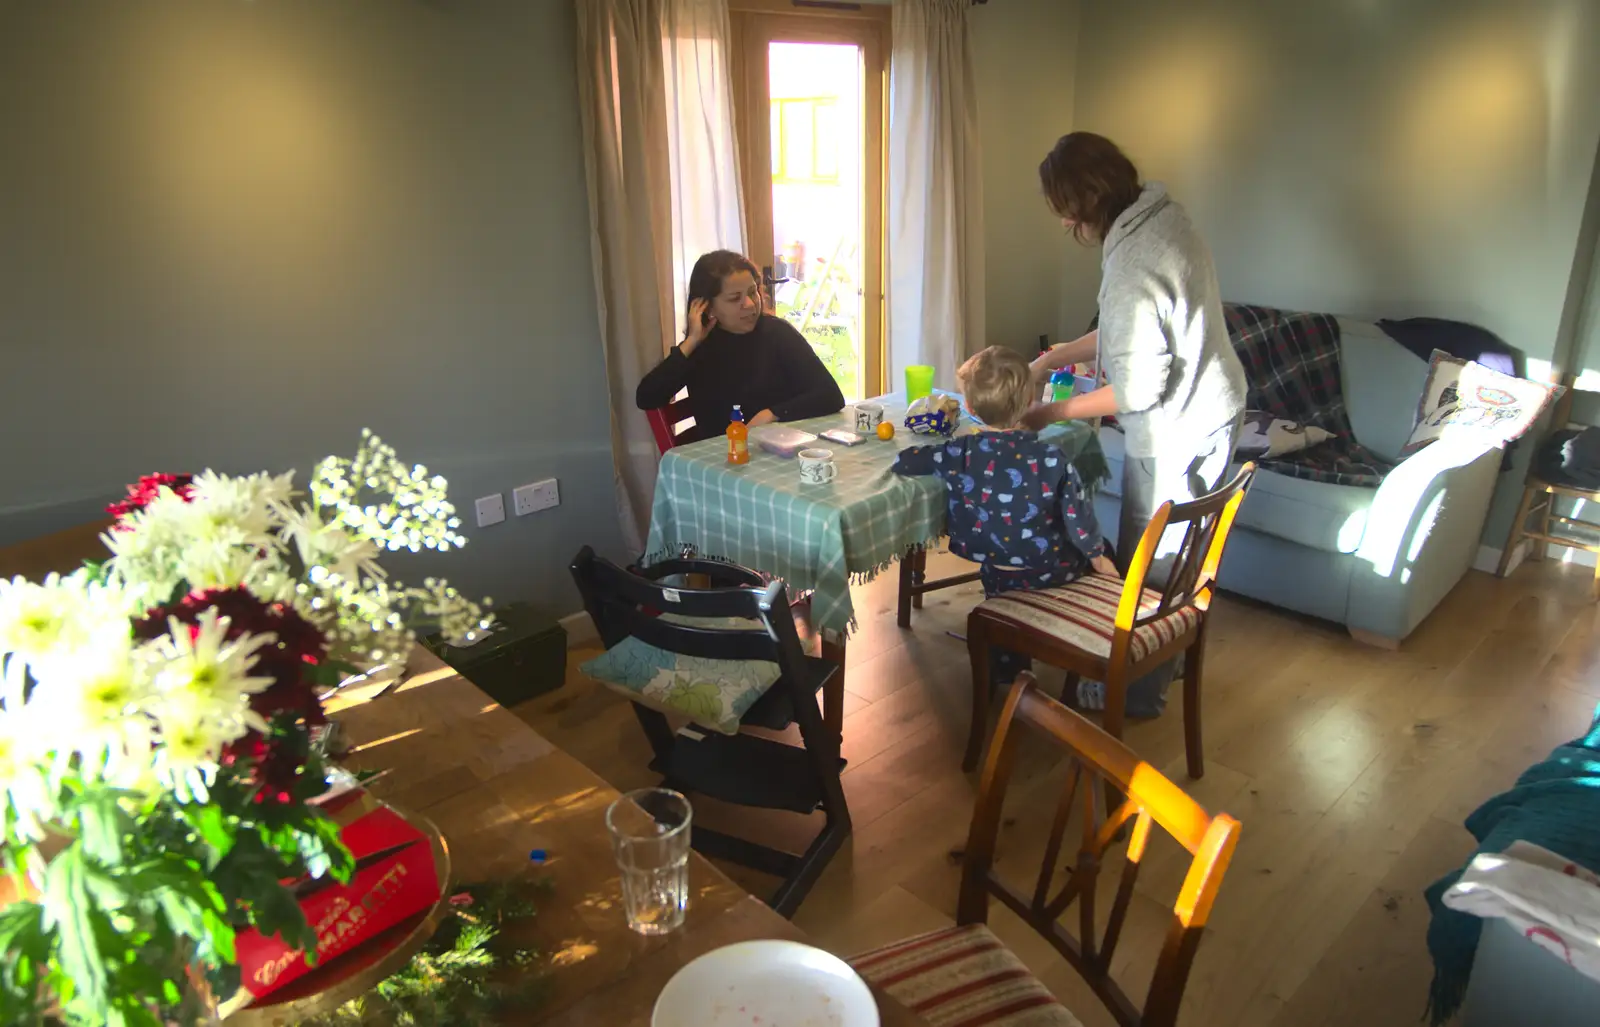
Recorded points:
963,977
1084,615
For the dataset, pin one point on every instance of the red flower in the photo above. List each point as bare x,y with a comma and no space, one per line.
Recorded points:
143,492
275,764
300,645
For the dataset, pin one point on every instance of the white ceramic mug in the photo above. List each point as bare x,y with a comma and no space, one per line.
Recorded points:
817,466
868,417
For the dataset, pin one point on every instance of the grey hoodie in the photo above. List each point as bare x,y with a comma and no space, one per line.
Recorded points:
1163,340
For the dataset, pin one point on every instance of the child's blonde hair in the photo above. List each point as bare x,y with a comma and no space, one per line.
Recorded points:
998,384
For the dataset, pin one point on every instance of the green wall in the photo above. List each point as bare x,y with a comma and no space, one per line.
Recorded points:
1023,61
232,234
1367,158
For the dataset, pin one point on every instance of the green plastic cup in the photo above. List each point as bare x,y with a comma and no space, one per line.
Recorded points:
919,382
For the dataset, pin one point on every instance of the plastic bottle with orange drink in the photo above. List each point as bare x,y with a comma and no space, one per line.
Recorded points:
738,438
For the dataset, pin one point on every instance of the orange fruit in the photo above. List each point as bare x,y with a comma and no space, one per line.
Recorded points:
885,430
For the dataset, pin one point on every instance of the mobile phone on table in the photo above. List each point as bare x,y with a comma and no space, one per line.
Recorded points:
842,437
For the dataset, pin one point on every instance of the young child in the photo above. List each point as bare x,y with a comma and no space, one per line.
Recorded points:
1017,505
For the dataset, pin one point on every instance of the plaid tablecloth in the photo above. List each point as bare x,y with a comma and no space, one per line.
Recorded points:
817,537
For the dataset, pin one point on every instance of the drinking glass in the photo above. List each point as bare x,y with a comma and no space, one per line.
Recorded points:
919,382
650,836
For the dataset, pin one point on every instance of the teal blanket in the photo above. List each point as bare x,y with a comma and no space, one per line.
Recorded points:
1554,804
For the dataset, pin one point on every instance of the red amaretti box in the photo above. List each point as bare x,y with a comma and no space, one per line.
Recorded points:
395,877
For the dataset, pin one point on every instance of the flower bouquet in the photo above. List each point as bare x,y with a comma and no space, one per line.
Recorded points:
157,713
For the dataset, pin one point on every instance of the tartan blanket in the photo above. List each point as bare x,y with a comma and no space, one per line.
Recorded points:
1291,364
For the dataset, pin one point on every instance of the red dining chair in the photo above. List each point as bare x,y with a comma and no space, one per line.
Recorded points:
669,424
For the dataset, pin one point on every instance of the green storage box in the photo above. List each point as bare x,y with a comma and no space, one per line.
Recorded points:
523,656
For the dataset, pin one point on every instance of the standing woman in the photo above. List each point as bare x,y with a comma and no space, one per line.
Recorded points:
1175,384
734,352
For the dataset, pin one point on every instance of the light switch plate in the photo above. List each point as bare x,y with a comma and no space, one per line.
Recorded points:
491,510
536,496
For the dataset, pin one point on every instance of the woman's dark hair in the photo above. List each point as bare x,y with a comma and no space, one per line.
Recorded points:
711,270
1090,182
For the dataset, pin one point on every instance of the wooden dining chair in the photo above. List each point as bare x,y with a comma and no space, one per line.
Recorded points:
965,974
744,769
914,583
1114,631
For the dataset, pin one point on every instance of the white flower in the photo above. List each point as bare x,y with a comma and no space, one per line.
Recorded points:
191,746
328,549
57,619
203,669
460,620
363,621
23,781
220,563
249,506
89,708
146,547
379,498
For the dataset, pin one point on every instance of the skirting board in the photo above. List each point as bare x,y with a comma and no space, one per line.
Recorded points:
1488,559
580,629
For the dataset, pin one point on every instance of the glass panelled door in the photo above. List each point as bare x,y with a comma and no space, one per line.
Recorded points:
813,94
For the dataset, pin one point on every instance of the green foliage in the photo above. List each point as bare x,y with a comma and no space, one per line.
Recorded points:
148,889
468,973
832,342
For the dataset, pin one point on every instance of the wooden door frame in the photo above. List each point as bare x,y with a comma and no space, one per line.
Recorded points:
755,24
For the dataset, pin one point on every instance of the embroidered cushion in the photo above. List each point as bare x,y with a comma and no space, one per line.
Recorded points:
1084,614
963,976
1472,403
713,693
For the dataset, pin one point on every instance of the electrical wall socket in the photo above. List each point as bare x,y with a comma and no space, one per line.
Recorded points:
539,495
491,510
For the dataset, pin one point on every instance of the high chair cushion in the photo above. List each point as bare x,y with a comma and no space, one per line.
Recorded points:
1084,613
715,694
963,976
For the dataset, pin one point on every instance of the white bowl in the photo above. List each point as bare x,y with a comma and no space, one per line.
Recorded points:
766,984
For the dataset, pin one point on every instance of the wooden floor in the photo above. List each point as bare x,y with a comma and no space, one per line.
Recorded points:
1351,769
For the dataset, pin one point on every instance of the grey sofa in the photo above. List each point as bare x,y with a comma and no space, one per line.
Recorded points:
1377,560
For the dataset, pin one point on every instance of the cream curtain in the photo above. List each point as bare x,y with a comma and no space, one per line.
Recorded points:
660,160
707,206
935,245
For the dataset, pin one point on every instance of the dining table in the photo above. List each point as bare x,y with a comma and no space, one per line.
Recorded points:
820,538
500,794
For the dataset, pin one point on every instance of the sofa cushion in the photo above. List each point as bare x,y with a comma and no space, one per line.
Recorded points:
1382,382
1467,402
1331,518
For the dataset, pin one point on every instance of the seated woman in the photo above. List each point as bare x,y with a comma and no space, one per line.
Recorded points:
732,353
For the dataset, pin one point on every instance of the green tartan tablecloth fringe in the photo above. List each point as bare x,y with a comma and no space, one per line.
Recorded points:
823,538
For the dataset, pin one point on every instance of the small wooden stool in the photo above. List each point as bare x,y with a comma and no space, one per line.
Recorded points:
1539,497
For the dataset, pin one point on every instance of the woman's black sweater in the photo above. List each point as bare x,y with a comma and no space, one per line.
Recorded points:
772,367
